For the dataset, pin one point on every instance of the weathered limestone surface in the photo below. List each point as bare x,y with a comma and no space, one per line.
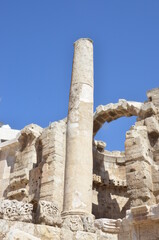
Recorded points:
26,159
110,198
153,95
141,223
123,108
59,183
141,170
48,213
19,230
7,160
16,210
79,160
53,163
16,230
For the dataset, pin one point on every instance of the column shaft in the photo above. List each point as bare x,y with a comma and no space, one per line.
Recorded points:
78,173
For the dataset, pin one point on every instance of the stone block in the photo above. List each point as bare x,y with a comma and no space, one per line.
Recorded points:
138,166
147,109
138,175
18,194
15,234
155,174
137,145
144,209
48,213
153,95
139,180
4,183
142,193
85,236
19,177
66,234
152,126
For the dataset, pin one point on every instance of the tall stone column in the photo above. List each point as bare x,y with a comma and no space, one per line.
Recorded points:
79,163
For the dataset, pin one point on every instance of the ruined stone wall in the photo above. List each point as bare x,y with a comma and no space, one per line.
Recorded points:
25,161
7,160
110,198
125,184
142,147
141,223
48,183
53,141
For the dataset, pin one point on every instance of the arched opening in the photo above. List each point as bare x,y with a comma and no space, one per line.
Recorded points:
113,133
110,198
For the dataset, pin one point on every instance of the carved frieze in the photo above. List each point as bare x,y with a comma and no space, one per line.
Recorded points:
48,213
88,223
15,210
79,223
73,222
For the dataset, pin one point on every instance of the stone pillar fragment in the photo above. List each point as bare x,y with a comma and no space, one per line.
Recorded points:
78,170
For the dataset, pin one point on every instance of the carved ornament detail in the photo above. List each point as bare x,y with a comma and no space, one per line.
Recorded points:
79,223
73,222
15,210
88,223
48,213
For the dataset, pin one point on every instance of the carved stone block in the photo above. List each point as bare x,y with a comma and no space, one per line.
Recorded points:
48,213
88,223
16,211
108,225
79,223
73,222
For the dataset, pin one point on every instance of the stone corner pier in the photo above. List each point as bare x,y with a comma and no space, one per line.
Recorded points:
79,160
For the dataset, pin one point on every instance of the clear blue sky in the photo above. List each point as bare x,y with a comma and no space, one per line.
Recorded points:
36,51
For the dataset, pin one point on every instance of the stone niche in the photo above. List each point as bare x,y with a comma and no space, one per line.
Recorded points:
58,183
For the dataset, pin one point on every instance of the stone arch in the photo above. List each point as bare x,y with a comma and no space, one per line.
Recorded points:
111,199
123,108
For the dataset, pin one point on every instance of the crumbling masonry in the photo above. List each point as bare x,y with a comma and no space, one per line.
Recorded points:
58,183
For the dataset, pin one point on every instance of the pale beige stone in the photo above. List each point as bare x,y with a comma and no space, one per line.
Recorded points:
85,236
66,234
77,193
16,234
122,187
153,96
152,126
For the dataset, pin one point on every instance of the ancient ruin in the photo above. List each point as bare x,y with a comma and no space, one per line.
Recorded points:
59,183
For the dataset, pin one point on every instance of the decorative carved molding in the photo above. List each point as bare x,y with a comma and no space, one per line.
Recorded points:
48,213
88,223
143,214
73,222
79,223
108,225
15,210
